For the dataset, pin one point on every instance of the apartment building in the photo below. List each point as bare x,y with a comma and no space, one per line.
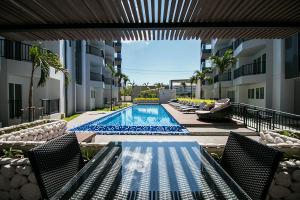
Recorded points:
88,89
183,89
266,74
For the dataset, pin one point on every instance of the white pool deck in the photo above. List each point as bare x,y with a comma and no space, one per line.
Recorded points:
202,132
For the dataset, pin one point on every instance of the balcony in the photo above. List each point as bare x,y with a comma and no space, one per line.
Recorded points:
15,50
118,46
94,51
246,48
96,76
249,69
205,50
222,51
237,43
118,59
223,77
109,43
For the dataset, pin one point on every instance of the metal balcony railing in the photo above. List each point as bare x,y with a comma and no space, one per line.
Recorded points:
96,76
50,106
94,51
237,43
223,77
250,69
263,118
15,50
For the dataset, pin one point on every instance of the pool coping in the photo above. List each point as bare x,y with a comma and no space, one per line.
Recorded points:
183,132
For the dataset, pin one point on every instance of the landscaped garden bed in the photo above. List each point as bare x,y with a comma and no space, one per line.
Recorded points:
195,101
280,137
42,130
146,100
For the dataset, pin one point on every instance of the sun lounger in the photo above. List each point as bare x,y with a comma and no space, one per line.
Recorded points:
220,111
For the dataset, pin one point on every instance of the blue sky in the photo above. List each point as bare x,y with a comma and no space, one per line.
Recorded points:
160,61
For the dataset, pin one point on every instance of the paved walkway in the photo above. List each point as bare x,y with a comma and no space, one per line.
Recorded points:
85,118
191,120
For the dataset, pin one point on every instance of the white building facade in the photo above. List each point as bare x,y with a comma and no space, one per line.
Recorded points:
88,89
266,73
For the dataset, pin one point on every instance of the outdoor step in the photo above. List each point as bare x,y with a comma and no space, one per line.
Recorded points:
220,131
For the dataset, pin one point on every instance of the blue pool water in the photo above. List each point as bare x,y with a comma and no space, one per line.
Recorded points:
137,119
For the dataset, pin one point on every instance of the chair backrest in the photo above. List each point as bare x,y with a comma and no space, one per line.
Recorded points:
251,164
55,163
226,100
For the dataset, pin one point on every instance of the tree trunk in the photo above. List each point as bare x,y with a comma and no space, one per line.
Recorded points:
191,91
220,89
111,106
30,97
200,89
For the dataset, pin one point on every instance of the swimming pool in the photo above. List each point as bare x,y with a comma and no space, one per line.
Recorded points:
135,120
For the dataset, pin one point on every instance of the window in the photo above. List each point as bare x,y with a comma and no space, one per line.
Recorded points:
259,65
292,56
78,63
231,95
263,64
261,93
15,100
93,94
250,93
257,93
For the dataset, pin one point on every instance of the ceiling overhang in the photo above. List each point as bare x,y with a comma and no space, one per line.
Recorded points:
148,19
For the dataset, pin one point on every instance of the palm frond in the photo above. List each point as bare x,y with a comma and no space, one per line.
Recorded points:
45,59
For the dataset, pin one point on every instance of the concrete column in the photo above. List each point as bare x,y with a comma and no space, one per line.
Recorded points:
3,92
283,89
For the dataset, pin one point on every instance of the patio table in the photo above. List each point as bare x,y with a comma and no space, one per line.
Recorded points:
152,170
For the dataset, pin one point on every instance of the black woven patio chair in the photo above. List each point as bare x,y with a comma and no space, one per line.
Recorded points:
55,163
251,164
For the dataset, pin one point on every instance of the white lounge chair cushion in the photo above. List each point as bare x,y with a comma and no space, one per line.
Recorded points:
202,112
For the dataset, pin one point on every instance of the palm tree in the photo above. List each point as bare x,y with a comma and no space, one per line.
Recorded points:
132,87
125,80
44,60
183,84
120,77
159,85
200,76
113,74
223,63
208,79
146,85
193,79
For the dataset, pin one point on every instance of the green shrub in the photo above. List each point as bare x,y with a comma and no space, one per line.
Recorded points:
196,101
153,93
12,153
290,134
146,99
